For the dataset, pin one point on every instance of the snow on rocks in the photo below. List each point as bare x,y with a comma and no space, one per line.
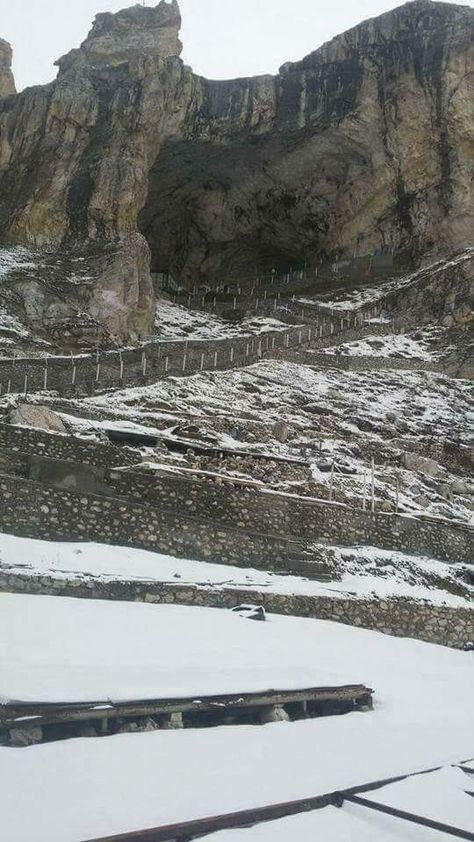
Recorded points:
173,321
417,345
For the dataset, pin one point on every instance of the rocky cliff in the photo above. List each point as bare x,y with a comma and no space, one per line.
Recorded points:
7,83
367,142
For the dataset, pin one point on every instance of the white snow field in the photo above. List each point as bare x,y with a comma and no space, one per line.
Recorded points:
85,788
49,652
440,796
365,571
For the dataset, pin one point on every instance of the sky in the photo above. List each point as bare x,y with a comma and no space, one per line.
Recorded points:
222,38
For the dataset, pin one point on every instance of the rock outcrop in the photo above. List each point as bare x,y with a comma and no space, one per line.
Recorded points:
367,142
7,82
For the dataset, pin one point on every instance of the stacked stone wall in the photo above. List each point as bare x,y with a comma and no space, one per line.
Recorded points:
402,617
248,511
33,510
29,441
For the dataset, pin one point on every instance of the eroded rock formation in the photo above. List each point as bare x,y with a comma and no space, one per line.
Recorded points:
7,82
367,142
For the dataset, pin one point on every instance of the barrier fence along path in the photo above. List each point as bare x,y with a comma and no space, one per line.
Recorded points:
163,358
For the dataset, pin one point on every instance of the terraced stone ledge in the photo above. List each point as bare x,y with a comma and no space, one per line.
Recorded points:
398,616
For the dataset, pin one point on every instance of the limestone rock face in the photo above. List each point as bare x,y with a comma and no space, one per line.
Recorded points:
139,29
7,82
367,142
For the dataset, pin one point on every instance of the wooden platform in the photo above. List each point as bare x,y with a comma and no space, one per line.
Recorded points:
312,702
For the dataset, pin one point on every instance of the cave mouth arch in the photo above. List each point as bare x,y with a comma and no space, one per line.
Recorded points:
213,214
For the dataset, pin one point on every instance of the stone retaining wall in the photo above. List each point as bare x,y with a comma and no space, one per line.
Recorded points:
65,447
171,501
150,362
401,617
33,510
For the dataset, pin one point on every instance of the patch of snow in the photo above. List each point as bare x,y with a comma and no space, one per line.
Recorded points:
365,571
422,716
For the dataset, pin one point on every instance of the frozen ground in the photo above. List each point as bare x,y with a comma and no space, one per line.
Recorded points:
363,571
422,718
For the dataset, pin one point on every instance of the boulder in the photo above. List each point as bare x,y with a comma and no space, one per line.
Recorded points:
39,417
273,713
29,735
423,464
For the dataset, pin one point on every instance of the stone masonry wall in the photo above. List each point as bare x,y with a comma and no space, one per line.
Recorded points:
65,447
33,510
154,360
401,617
177,501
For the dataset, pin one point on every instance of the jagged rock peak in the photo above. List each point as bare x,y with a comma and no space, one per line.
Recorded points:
398,25
7,82
138,30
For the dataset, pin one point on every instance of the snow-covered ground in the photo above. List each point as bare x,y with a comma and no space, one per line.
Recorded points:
331,414
416,345
206,652
422,716
175,321
441,796
373,293
363,571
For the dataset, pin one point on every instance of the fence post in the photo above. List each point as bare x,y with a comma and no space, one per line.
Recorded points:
373,485
215,359
73,378
167,363
232,354
97,367
184,362
121,366
331,484
364,493
202,362
9,386
26,385
235,304
45,376
247,350
144,363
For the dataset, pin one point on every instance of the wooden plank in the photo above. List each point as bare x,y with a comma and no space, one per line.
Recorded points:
410,817
47,714
186,831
